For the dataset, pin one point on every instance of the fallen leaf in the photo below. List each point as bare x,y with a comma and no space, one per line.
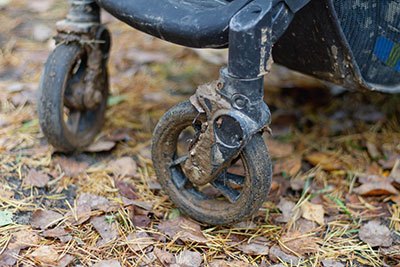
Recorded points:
5,218
139,241
55,232
126,189
255,247
79,215
36,178
287,209
376,189
375,234
183,229
188,258
45,255
373,150
223,263
278,149
145,57
125,166
395,173
332,263
44,219
65,261
41,32
305,226
141,221
313,212
288,166
107,263
101,146
277,255
24,239
164,257
391,252
40,6
9,256
299,243
95,202
70,166
108,231
327,161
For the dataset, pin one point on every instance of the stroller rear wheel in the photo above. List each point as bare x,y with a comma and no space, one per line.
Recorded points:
237,192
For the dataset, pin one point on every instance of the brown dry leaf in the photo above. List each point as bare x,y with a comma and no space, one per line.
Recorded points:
125,166
223,263
375,234
46,255
101,146
288,166
9,257
395,173
139,241
255,247
299,243
327,161
107,263
287,209
164,257
56,232
183,229
188,258
36,178
95,202
20,240
313,212
141,221
277,255
278,149
305,226
70,166
44,219
108,231
40,6
65,261
24,239
332,263
79,215
391,252
373,150
126,189
376,189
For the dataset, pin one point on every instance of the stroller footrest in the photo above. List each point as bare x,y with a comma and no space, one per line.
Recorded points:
191,23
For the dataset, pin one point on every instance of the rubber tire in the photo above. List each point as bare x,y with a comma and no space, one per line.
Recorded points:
255,156
51,94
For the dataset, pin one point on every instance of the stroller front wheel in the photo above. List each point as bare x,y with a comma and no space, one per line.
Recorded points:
238,191
73,96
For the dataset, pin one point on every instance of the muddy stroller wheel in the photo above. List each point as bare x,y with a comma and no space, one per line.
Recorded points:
73,93
237,192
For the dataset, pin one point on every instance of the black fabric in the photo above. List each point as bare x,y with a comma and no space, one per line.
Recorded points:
372,28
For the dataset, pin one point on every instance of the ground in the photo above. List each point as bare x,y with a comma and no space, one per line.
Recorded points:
334,199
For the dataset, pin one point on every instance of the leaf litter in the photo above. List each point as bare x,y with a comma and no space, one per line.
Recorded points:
334,199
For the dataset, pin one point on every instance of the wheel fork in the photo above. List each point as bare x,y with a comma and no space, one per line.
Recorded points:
83,25
234,104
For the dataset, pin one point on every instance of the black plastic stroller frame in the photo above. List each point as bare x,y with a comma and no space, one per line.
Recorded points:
228,115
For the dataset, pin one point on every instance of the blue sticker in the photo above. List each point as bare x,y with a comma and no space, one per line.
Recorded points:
383,48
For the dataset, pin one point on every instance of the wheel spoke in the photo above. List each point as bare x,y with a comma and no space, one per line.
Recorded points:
74,121
221,184
234,178
179,161
178,177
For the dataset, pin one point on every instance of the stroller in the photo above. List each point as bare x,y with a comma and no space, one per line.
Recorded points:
353,43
